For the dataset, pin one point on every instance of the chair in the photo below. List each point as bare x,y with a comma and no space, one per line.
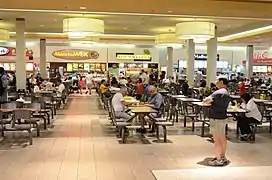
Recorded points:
188,113
203,118
170,119
21,121
39,113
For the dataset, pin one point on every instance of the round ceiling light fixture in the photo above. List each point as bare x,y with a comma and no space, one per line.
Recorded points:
198,31
4,35
169,39
83,27
86,40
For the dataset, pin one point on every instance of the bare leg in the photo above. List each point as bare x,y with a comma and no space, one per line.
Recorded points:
217,145
223,142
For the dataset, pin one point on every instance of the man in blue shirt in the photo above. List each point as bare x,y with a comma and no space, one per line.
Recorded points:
219,101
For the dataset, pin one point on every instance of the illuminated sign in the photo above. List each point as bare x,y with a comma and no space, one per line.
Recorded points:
132,57
3,51
204,57
75,54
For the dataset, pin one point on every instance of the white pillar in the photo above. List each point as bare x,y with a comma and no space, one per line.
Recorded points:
249,58
20,54
190,59
43,58
211,60
170,61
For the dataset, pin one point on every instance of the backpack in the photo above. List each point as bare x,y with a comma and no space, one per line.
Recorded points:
2,89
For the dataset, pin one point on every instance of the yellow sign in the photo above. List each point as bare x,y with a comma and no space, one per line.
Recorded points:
132,57
75,54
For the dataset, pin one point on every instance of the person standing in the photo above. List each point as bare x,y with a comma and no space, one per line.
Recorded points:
89,83
3,86
144,77
219,101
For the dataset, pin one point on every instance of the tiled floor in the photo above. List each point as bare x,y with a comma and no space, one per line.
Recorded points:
83,146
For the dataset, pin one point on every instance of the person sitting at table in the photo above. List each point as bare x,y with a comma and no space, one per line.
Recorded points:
104,89
185,88
61,88
252,116
123,81
118,104
114,82
36,88
155,102
242,87
48,85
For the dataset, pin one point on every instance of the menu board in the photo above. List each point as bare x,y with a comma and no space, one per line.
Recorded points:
86,67
29,66
69,67
12,67
75,66
80,67
6,66
260,69
103,67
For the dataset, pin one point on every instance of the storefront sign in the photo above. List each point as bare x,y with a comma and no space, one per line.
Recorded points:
203,57
11,51
75,54
133,57
3,51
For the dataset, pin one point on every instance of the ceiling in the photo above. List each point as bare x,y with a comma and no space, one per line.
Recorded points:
122,18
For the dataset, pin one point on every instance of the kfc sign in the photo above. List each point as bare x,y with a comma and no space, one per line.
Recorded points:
261,55
3,51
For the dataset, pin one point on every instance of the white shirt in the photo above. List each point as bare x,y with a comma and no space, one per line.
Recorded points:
117,102
48,85
60,89
144,78
36,89
89,79
252,107
123,81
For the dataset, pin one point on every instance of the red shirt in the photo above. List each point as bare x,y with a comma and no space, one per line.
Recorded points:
140,88
242,88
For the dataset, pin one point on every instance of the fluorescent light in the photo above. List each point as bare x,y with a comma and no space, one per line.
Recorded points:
246,33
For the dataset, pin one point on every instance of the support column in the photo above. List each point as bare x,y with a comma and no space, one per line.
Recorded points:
212,59
249,58
20,54
190,59
43,58
169,61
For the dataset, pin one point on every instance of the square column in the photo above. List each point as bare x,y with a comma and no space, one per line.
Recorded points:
212,60
249,58
43,58
190,59
20,54
170,61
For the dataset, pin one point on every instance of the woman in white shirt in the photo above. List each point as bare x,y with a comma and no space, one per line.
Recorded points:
253,115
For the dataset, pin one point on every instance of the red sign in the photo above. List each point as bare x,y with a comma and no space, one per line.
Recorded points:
261,58
11,51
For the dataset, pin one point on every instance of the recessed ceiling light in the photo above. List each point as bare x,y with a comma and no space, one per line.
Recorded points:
82,8
257,37
41,25
55,19
125,27
169,11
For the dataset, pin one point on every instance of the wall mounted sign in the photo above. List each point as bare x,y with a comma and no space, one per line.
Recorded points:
203,57
75,54
11,51
134,57
113,65
3,51
153,65
261,58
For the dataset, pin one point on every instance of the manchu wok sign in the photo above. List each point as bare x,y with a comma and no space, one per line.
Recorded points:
75,54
